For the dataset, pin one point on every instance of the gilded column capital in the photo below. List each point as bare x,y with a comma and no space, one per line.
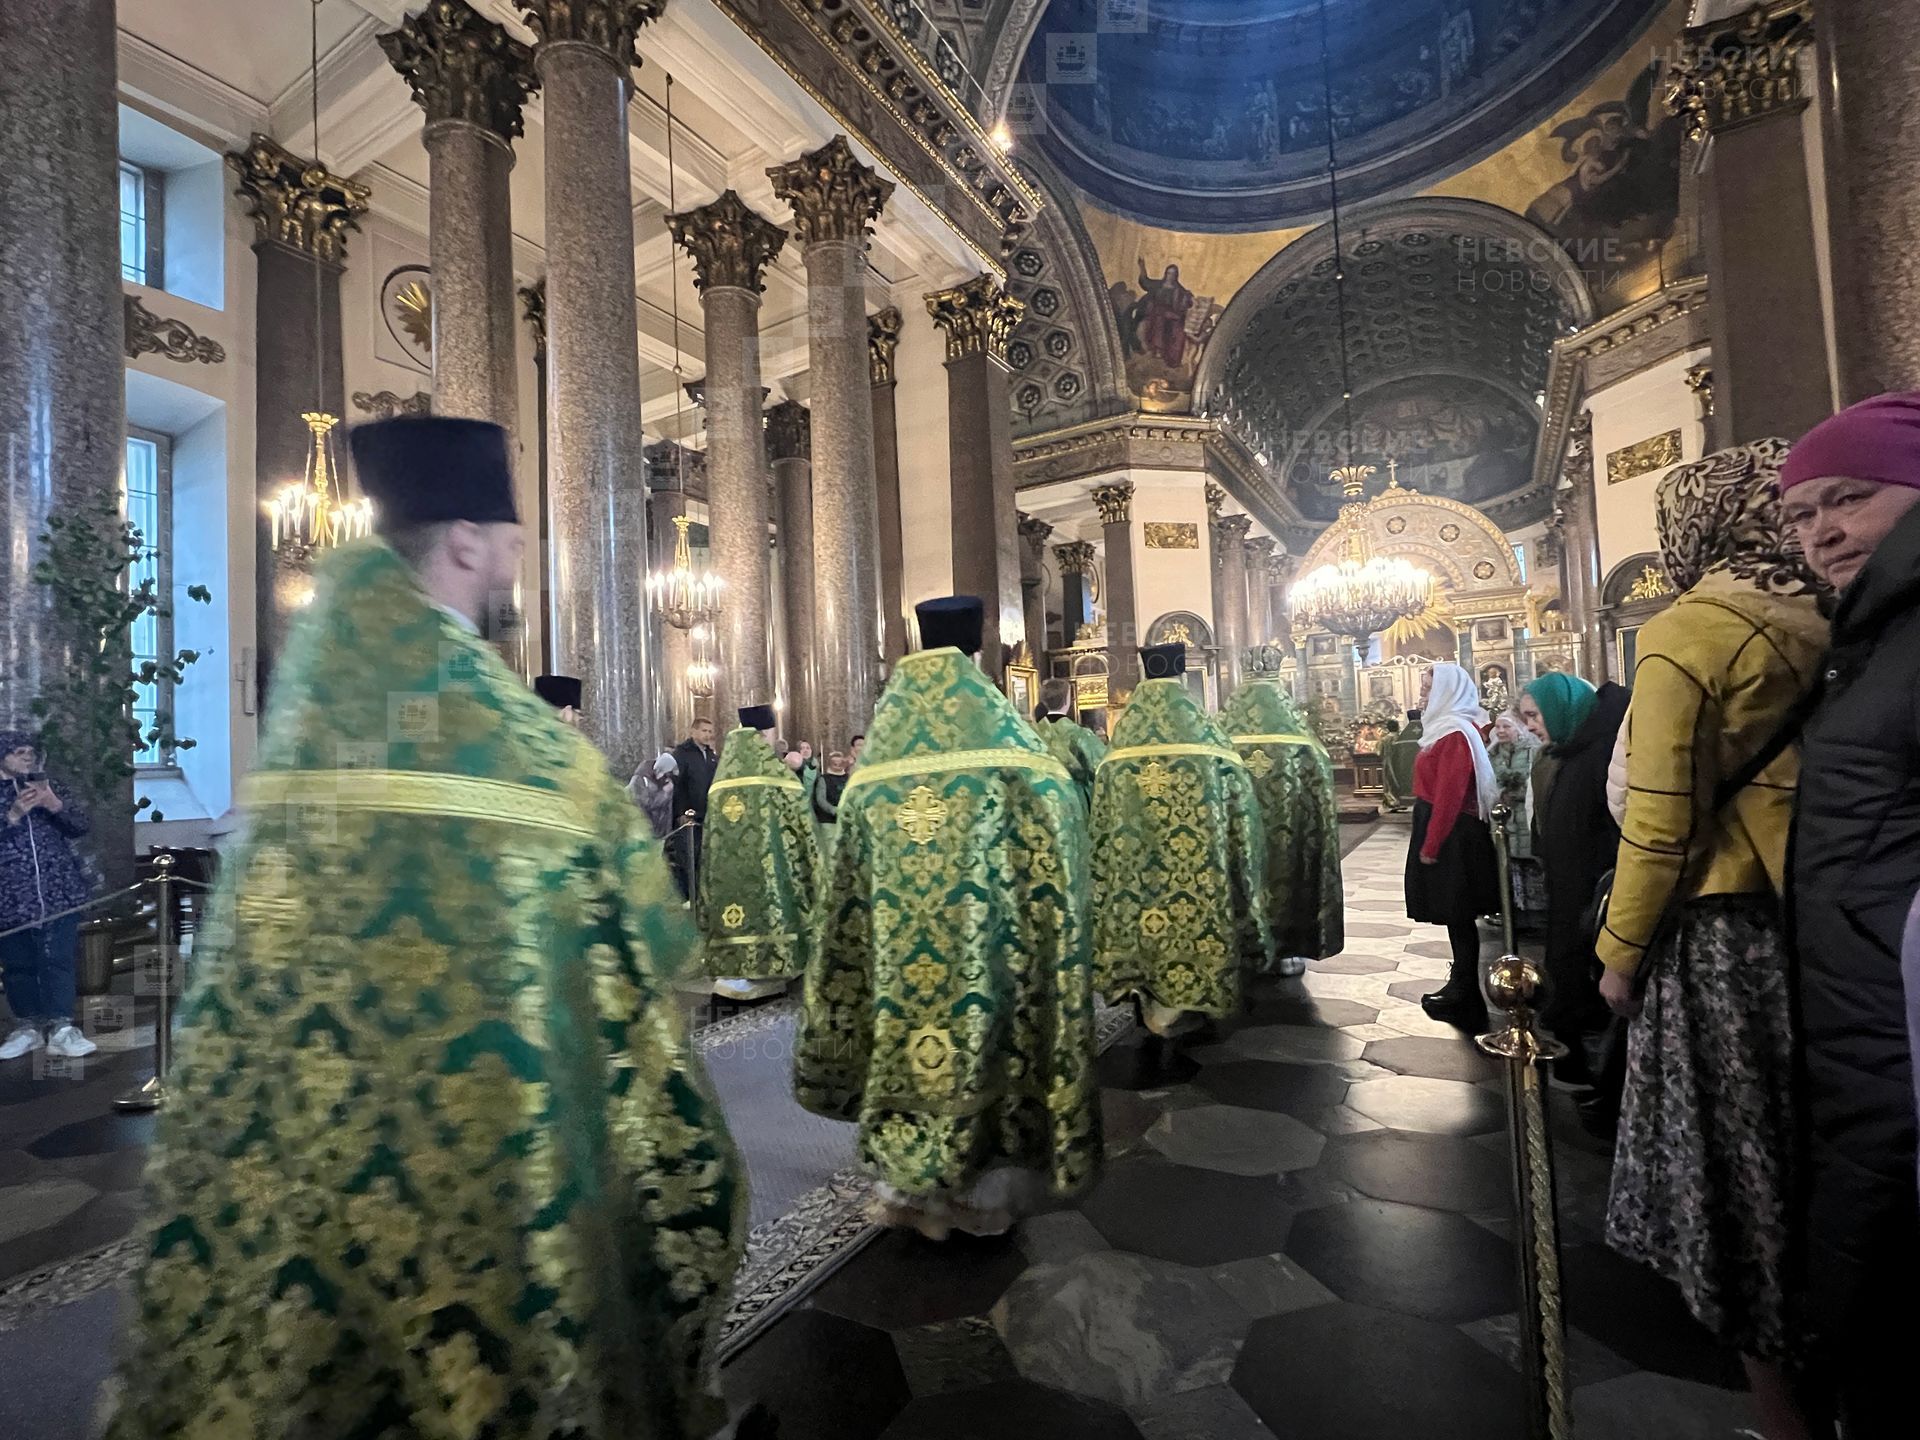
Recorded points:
789,431
1741,69
731,244
1036,532
1700,382
834,196
978,317
1114,501
297,203
1233,528
462,66
883,339
609,26
1280,567
1259,551
533,309
1076,557
1216,497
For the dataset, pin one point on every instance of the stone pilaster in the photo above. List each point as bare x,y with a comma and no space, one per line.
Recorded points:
1033,585
835,199
1580,558
1114,501
790,448
301,217
1075,560
1230,626
732,247
978,319
595,463
1281,568
1870,72
883,339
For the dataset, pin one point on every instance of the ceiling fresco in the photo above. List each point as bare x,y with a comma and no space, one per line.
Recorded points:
1211,114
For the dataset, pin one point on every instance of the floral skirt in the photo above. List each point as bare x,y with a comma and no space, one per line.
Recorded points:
1705,1161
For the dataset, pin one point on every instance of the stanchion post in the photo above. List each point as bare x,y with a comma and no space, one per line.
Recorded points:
153,1094
1501,818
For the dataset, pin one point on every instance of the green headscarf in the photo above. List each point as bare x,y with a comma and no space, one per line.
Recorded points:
1565,701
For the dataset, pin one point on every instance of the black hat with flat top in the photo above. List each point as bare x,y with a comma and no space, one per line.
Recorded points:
560,691
1164,662
432,469
758,717
956,620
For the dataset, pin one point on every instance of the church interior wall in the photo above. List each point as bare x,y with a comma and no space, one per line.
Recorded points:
1165,578
1633,412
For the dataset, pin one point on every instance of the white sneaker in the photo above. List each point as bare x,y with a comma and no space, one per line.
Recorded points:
1292,966
68,1042
20,1042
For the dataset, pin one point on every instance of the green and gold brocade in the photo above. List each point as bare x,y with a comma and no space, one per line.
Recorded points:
1293,781
1077,748
435,1159
949,1002
1177,859
759,865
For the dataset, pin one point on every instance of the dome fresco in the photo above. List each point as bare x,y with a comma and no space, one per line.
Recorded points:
1210,114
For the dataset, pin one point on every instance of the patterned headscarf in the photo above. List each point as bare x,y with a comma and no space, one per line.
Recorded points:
1722,512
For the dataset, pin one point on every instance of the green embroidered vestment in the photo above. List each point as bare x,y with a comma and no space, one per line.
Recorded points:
1178,856
949,1002
436,1160
759,865
1293,780
1077,748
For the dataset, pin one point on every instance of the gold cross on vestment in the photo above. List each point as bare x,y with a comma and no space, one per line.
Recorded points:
1260,762
1155,780
922,815
733,808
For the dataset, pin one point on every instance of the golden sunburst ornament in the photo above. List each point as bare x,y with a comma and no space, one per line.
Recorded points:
413,307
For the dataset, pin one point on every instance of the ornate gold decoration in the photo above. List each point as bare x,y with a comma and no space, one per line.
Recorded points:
978,317
922,815
789,431
1076,557
413,307
385,404
731,244
1260,762
1397,525
1652,585
834,196
733,807
930,1057
418,792
1114,502
1484,570
313,512
1178,632
883,339
297,203
606,25
733,917
1449,532
1154,923
1359,594
1700,382
1172,535
1035,532
533,309
462,66
685,597
1155,780
151,334
1090,692
1741,69
1658,452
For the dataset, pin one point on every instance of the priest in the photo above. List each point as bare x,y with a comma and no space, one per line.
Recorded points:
436,1159
762,866
949,1002
1178,858
562,692
1396,759
1067,740
1300,819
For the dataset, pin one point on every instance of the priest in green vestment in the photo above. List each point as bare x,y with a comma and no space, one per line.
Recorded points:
1178,858
761,874
1066,739
949,1000
1397,757
435,1158
1293,781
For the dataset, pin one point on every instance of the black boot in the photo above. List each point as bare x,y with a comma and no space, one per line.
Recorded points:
1462,1007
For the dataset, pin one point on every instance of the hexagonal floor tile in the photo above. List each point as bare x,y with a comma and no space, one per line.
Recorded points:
954,1355
902,1280
1426,1263
1297,1090
821,1374
1296,1007
1411,991
1270,1285
1216,1413
1442,1172
1192,1217
1125,1117
1121,1328
1308,1044
1147,1063
1439,1107
1638,1405
1012,1407
1353,964
1450,1058
1640,1317
1236,1140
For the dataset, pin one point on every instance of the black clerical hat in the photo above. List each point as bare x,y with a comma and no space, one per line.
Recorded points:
560,691
429,469
758,717
1164,662
956,620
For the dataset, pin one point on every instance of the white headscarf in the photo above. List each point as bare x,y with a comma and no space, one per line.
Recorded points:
1454,709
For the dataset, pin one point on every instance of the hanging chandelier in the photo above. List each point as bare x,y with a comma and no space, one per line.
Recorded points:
685,597
1364,593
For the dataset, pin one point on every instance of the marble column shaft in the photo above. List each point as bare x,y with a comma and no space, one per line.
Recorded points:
883,338
789,445
1115,504
1580,560
596,470
1034,534
1870,74
1076,568
1230,534
62,379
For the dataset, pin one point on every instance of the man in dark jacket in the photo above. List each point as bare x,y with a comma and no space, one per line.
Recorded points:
1850,489
697,761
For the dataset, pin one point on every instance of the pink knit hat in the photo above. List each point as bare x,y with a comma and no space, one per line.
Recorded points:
1878,439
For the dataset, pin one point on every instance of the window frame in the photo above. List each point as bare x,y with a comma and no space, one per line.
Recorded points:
152,224
164,760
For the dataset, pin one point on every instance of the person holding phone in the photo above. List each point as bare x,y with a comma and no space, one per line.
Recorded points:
42,876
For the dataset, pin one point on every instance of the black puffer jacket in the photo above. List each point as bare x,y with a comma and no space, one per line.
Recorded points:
1855,870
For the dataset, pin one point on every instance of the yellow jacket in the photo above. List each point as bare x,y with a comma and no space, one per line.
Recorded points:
1716,674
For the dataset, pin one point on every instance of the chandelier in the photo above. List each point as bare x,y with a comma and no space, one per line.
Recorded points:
685,597
310,513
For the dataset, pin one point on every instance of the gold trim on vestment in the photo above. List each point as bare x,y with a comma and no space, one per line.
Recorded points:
1272,740
934,762
418,792
714,942
1136,752
741,782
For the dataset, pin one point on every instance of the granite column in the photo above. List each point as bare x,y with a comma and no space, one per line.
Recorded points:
1580,555
1230,535
1259,609
1075,560
789,446
883,339
1033,586
834,199
1114,501
596,472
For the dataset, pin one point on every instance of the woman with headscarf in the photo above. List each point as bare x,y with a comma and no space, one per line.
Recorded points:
1705,1164
1452,876
1514,750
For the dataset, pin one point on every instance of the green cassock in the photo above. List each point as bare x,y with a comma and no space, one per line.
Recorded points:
1396,758
1293,779
949,1002
435,1159
759,865
1178,856
1077,748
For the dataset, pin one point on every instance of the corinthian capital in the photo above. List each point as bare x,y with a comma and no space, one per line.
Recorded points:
1076,557
883,339
789,431
1114,502
1233,528
295,202
978,317
607,25
1259,551
1216,497
731,245
1741,69
834,196
462,66
1036,532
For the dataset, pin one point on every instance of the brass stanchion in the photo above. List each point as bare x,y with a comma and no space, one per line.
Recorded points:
1513,986
153,1094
